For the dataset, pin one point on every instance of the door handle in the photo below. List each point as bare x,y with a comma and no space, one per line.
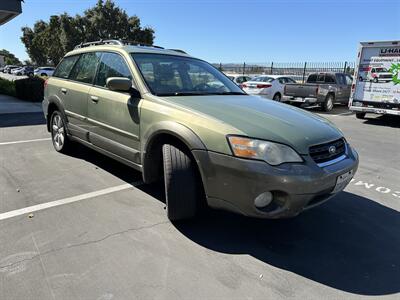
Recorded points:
94,99
63,90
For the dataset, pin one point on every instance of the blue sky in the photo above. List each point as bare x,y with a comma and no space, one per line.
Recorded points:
237,31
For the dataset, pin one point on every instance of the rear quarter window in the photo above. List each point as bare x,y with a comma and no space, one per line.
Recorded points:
65,67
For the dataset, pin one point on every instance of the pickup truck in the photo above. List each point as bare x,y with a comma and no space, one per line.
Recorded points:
323,89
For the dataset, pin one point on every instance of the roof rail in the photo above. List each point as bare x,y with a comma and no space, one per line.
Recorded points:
178,50
115,42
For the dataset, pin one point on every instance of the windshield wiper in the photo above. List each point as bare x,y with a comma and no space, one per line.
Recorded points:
199,94
182,94
229,93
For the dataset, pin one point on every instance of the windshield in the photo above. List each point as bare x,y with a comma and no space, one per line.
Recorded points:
168,75
263,79
381,70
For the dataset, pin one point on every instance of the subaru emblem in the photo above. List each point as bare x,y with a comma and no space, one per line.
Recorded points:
332,150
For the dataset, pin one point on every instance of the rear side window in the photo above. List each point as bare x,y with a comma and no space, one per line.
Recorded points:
111,65
85,69
329,78
65,67
312,78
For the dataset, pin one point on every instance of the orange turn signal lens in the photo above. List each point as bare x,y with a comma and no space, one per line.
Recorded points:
242,147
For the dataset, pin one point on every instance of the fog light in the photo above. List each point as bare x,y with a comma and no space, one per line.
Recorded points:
263,199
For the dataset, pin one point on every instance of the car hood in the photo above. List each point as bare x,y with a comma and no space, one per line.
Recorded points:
264,119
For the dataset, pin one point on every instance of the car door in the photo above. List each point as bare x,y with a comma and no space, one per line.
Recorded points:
114,115
340,87
347,90
76,90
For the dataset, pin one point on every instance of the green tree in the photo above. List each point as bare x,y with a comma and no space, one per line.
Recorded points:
47,42
9,58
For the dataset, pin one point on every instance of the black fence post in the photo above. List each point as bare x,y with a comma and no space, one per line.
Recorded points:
345,66
244,68
272,68
220,67
304,70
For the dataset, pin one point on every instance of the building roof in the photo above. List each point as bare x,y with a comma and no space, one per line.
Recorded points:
9,9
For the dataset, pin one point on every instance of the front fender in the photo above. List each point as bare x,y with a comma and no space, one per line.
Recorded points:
152,140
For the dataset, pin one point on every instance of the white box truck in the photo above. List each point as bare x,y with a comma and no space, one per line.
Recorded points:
376,83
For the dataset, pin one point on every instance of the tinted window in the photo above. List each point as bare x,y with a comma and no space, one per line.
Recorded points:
282,80
312,78
263,79
85,68
65,67
111,65
321,78
290,80
341,79
330,79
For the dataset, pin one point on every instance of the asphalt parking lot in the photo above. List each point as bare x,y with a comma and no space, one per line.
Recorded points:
105,235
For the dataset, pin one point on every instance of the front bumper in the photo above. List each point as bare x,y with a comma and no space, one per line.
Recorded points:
233,183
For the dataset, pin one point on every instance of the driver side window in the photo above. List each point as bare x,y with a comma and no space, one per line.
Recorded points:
111,65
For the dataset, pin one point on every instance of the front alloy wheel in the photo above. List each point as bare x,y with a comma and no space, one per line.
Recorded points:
58,132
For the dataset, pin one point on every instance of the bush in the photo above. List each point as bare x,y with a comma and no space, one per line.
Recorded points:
31,89
7,87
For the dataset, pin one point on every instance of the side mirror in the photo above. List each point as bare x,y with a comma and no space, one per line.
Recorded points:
121,84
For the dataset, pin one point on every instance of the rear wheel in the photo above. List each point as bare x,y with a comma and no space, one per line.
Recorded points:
360,115
277,97
327,105
181,183
59,133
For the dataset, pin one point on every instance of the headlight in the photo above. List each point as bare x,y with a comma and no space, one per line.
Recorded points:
272,153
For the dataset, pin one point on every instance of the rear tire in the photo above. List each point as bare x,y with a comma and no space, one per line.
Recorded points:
277,97
58,131
181,183
327,105
360,115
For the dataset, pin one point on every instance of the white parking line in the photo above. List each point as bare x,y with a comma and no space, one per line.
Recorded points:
24,141
42,206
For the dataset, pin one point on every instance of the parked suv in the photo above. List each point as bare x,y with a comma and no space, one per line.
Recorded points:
154,109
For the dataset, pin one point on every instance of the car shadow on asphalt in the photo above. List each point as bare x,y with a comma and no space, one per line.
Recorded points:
385,120
350,243
106,163
21,119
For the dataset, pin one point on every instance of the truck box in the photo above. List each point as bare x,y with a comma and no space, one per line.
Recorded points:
376,85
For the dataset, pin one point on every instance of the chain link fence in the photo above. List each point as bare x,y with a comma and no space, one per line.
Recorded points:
296,70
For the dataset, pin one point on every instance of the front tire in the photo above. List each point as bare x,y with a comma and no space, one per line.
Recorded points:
376,80
59,132
360,115
181,183
327,105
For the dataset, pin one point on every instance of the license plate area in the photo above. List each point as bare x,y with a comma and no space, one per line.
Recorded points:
342,181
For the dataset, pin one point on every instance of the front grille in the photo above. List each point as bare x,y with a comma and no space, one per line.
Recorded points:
324,152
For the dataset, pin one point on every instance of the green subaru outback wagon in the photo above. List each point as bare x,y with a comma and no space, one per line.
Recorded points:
178,119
